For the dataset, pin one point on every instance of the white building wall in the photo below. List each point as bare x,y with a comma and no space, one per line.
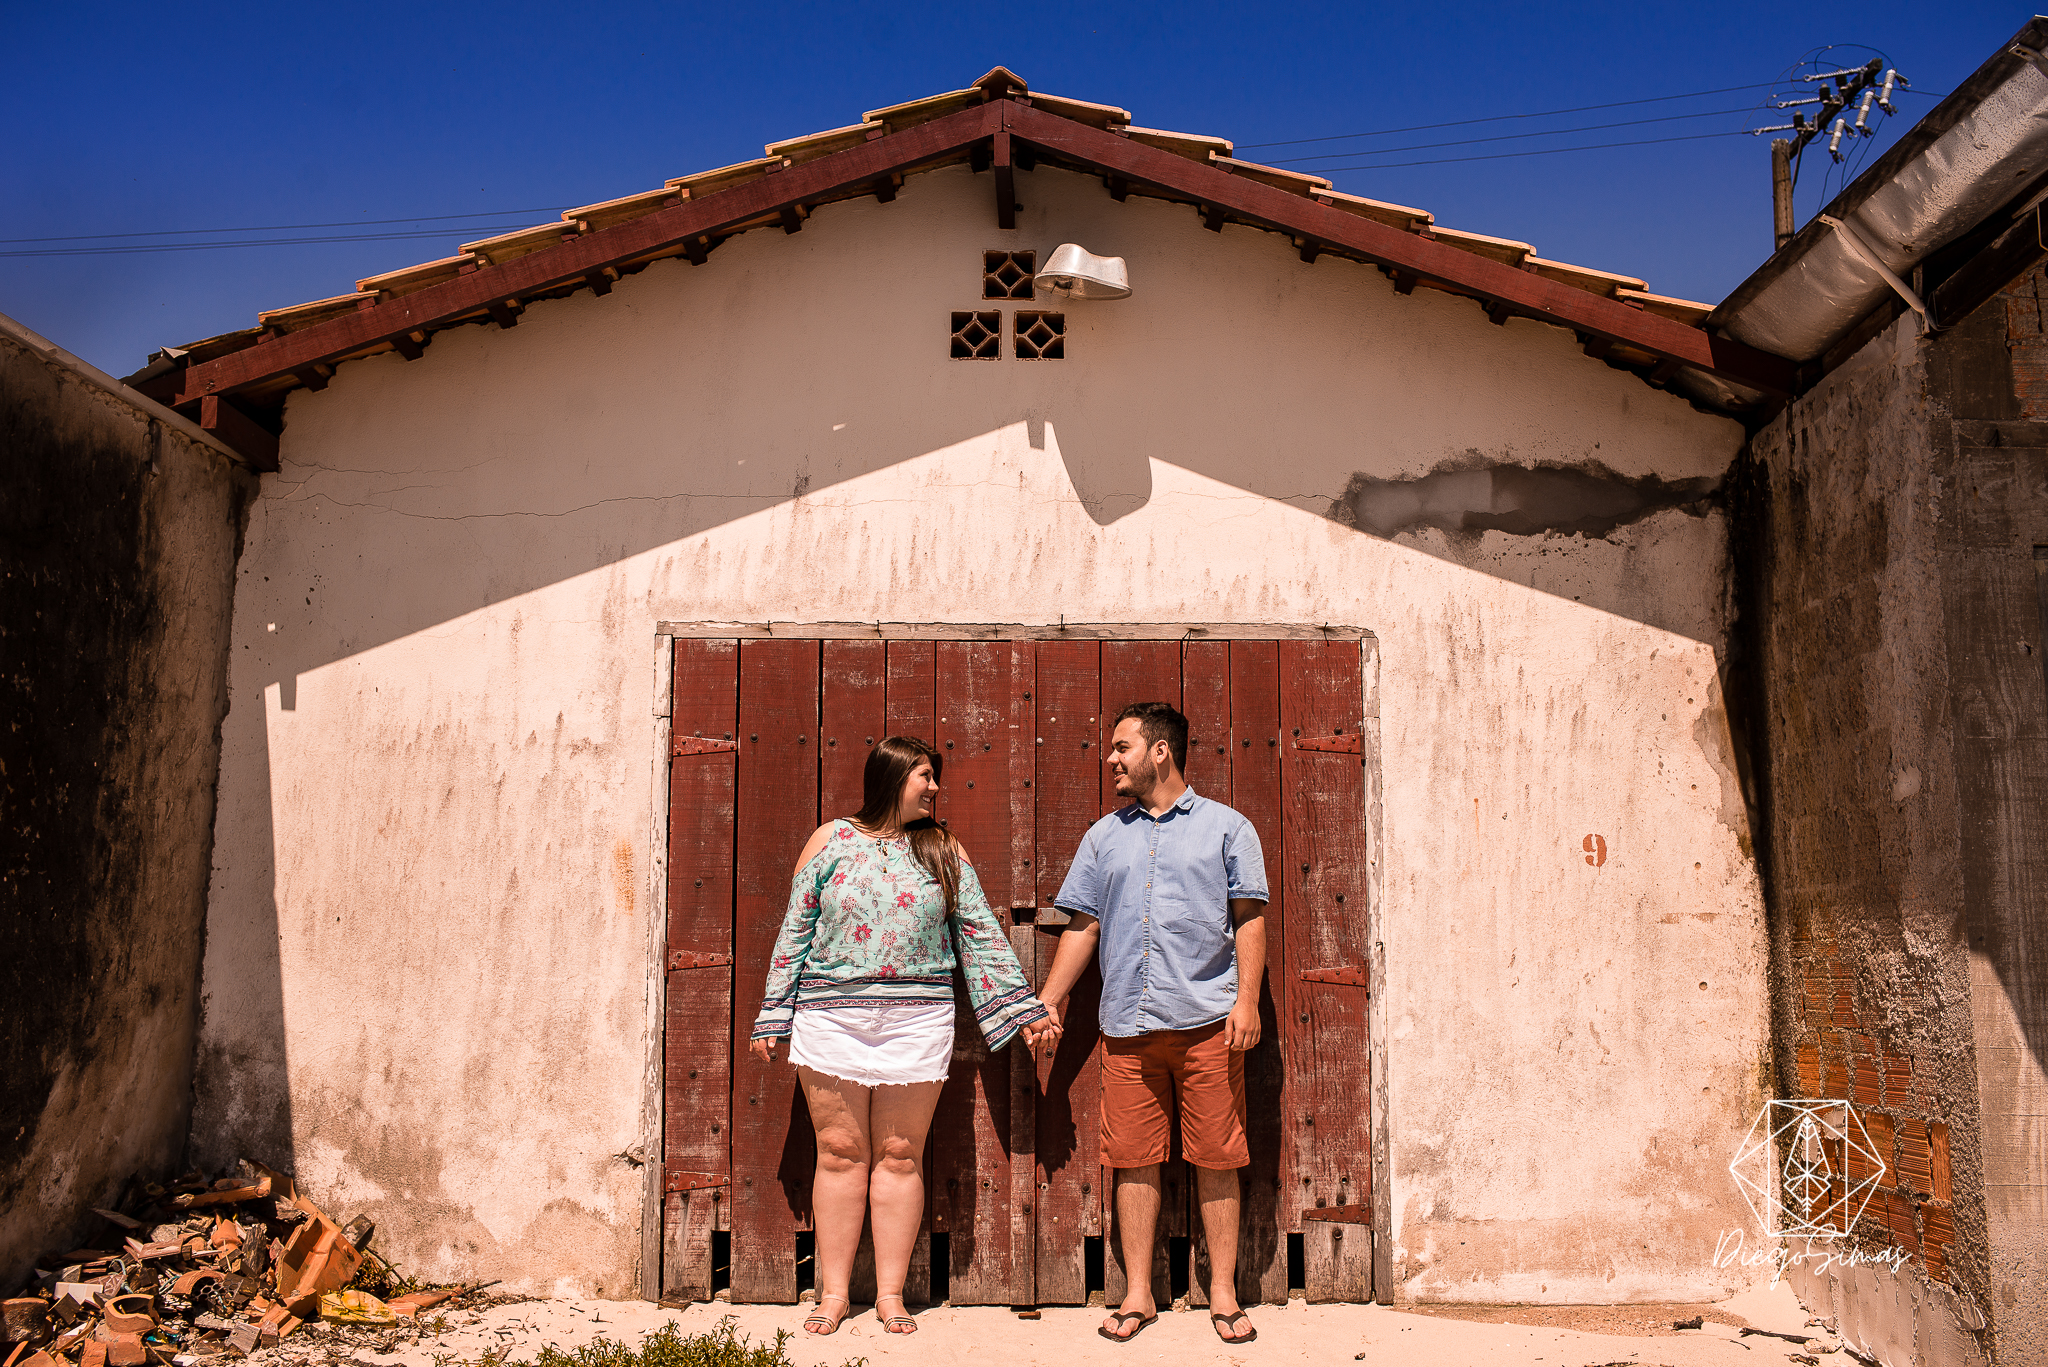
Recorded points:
426,965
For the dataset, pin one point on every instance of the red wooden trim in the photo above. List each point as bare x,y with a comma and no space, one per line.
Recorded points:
1340,1215
1404,253
694,958
439,305
252,442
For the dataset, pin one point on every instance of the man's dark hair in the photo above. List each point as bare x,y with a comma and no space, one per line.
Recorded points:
1159,721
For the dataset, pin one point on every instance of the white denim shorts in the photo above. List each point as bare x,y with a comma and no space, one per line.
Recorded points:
875,1046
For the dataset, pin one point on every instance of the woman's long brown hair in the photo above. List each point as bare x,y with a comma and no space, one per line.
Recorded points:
888,769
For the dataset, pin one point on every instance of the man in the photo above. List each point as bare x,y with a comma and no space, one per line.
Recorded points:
1173,890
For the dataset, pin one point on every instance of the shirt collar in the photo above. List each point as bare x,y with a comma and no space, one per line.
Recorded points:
1184,803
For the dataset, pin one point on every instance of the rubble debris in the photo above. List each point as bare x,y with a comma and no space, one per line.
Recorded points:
207,1268
1694,1323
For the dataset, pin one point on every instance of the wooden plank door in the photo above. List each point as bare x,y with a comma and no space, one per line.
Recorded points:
1066,779
771,736
981,1152
1323,866
1230,693
698,1001
1140,671
774,1152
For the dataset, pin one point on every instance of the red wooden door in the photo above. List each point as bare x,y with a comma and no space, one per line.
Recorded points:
770,738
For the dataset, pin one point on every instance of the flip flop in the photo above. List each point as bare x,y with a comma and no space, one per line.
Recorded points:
1217,1322
1120,1316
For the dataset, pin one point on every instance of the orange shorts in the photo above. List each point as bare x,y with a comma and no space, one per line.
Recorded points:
1143,1075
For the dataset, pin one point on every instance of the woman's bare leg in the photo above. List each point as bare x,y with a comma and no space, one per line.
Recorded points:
839,1191
898,1119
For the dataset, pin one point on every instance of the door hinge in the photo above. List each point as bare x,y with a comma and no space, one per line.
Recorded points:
1340,1215
1336,745
675,1179
699,745
692,958
1349,977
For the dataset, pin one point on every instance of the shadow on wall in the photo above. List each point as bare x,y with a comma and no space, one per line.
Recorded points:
505,461
1475,495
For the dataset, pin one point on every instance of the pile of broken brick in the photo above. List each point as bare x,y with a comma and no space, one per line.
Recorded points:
205,1269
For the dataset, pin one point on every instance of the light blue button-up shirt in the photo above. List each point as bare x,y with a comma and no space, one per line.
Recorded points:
1161,887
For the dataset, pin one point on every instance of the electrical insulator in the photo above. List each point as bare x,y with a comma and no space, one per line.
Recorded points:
1835,142
1863,115
1884,98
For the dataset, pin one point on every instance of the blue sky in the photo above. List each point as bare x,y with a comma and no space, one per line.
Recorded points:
132,118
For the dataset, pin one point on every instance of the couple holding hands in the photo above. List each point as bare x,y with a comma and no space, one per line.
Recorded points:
1171,891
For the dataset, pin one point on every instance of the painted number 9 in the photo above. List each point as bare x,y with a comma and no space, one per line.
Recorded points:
1596,850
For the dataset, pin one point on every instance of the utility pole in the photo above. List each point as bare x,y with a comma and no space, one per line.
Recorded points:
1781,191
1838,90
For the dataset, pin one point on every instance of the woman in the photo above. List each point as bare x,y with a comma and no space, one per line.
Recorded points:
862,985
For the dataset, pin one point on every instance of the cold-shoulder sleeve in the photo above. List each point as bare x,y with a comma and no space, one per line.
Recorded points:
792,948
996,985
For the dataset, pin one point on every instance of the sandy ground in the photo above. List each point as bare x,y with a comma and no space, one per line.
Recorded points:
1556,1336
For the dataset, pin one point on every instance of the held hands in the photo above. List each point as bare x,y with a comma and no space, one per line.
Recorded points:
764,1049
1241,1026
1046,1032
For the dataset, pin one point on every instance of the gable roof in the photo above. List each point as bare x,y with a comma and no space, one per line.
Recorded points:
995,124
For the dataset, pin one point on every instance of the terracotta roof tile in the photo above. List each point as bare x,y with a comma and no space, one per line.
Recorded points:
1684,310
513,245
410,278
1294,182
811,146
1082,111
1193,146
1379,211
1583,277
593,217
1505,250
292,317
703,183
914,112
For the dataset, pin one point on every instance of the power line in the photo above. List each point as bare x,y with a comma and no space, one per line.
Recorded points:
1541,114
1511,137
1498,118
1536,152
286,227
253,242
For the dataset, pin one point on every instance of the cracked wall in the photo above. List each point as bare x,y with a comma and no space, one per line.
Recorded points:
117,544
1896,510
426,980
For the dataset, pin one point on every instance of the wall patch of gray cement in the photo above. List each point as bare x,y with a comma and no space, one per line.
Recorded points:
118,534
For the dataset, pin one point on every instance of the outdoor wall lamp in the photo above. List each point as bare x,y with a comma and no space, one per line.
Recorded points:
1073,273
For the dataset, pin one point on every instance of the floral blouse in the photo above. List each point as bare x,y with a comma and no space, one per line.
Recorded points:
867,926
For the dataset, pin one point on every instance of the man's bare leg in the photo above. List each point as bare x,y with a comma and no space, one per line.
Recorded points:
1137,1220
1218,1191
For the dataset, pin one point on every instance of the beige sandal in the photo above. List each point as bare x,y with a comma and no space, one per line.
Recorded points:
895,1324
821,1317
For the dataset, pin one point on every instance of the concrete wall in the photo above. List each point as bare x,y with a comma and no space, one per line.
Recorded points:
117,546
1896,514
427,972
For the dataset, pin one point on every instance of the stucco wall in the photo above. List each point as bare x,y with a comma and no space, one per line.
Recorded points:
117,544
1897,513
429,907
